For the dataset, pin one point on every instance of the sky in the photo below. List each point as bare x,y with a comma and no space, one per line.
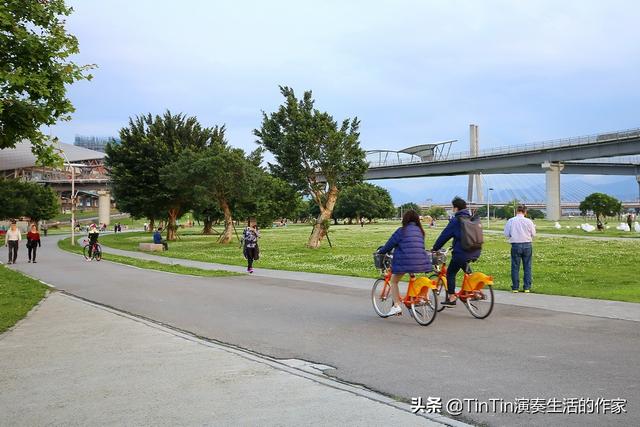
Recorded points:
412,71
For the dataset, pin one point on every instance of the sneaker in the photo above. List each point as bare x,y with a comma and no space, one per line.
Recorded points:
448,303
34,261
29,261
515,291
527,291
395,310
250,270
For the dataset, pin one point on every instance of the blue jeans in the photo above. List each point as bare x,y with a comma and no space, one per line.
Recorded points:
454,266
521,252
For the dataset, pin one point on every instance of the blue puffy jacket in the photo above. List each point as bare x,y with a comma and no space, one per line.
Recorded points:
409,255
454,230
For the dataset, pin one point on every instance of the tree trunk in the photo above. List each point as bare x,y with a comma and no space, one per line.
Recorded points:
319,228
227,235
171,226
152,224
208,225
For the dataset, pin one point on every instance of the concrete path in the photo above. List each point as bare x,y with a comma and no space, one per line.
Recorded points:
575,305
74,363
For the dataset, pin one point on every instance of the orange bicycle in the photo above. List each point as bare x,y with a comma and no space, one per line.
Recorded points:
420,299
476,292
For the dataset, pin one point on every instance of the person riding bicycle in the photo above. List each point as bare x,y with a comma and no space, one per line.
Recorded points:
93,239
409,255
460,257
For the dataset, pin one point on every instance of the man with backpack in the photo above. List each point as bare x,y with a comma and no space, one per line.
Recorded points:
520,231
466,232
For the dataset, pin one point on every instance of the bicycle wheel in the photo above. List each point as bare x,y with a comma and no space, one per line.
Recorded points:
480,303
97,253
85,251
381,298
424,311
440,291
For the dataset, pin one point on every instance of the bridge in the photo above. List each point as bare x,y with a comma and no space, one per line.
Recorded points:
601,154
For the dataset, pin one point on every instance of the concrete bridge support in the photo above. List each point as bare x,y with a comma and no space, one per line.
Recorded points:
474,149
638,179
104,207
552,171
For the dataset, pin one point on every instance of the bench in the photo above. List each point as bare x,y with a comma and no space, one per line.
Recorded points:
150,247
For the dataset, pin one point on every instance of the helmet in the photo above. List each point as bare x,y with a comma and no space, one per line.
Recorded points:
92,226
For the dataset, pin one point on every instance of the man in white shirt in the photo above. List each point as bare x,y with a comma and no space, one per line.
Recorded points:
520,232
12,240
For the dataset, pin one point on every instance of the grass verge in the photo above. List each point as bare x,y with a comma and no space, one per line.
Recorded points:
65,244
18,295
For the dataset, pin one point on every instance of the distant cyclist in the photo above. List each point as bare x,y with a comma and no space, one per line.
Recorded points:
93,239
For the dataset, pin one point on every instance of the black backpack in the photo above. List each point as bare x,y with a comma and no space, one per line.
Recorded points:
471,232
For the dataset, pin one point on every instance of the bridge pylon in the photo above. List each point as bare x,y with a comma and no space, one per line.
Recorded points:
552,172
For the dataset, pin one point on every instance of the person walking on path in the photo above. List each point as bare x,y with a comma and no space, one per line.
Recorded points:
12,239
461,256
33,242
520,231
409,255
250,238
630,221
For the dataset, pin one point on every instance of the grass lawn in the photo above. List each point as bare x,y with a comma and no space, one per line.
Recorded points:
562,266
151,265
18,295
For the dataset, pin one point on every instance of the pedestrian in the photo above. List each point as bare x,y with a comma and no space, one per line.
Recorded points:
45,229
33,243
12,239
361,221
630,221
157,239
409,255
145,226
251,249
461,256
520,231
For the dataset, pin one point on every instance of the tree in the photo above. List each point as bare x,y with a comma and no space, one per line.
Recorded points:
35,71
363,200
437,212
409,206
28,199
147,145
313,153
601,205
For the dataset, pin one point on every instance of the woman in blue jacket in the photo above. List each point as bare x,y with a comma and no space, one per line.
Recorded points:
409,255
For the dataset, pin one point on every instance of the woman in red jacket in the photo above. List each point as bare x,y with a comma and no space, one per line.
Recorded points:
33,241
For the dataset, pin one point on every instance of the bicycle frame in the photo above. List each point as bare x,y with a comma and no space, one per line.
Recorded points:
471,282
414,291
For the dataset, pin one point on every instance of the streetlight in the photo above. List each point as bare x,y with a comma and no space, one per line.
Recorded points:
73,167
488,202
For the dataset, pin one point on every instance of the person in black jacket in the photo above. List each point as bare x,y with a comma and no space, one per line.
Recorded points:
460,256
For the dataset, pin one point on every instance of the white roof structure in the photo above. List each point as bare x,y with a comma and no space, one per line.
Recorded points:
21,156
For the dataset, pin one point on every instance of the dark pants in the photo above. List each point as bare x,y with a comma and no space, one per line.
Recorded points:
251,255
92,245
32,252
455,265
521,252
13,250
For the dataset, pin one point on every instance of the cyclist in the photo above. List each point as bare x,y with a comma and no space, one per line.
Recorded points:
93,239
409,255
460,256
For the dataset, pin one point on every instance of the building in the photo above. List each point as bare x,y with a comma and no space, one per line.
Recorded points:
95,143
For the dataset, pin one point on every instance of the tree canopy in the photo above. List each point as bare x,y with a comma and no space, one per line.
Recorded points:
35,69
601,205
312,153
135,165
27,199
364,200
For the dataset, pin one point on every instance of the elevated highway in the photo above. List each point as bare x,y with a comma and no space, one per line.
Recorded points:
582,155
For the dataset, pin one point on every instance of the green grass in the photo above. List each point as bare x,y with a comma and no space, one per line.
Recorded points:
18,295
65,244
562,266
548,227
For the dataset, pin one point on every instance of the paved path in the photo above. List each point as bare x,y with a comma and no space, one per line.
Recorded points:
586,306
75,363
517,352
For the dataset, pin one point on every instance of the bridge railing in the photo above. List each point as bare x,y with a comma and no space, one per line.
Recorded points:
520,148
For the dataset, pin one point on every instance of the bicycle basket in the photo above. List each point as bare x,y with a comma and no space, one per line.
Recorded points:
438,258
381,261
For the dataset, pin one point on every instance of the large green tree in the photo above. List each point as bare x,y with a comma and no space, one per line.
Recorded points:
27,199
601,205
364,200
35,70
409,206
313,153
135,165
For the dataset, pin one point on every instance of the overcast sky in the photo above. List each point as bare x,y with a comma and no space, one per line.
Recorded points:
412,71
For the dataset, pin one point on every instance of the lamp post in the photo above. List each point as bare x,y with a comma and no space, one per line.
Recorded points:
489,190
73,193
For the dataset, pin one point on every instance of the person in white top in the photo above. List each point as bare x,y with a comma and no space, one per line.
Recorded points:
520,231
11,239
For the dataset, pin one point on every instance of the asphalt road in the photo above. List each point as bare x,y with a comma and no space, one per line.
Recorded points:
516,353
